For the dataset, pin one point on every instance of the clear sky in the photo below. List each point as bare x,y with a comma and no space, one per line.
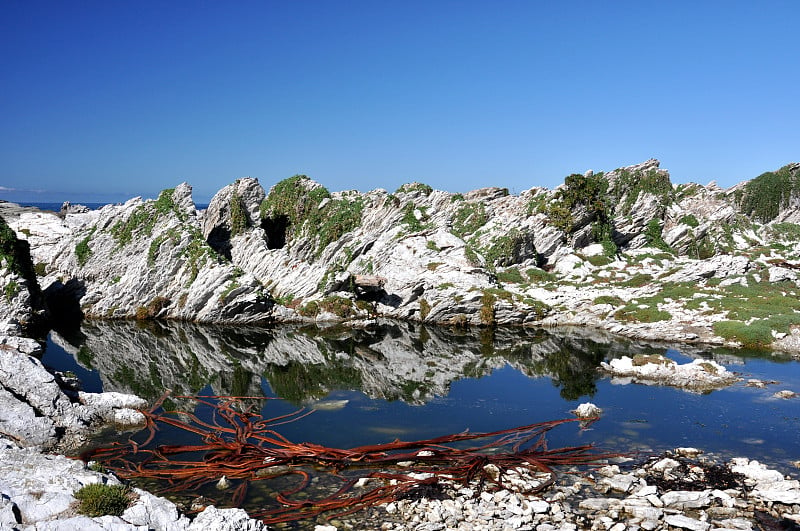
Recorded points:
106,100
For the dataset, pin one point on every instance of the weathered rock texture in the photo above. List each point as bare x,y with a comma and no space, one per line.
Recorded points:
626,251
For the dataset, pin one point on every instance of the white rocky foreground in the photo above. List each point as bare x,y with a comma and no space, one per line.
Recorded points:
741,495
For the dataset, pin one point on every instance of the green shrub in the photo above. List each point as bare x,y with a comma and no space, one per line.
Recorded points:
415,187
689,220
652,235
764,197
98,499
239,220
339,306
83,251
309,309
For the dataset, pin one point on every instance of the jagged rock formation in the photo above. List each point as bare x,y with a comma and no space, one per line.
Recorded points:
600,250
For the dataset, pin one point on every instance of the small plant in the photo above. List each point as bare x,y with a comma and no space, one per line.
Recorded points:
415,187
487,308
424,309
433,265
11,289
689,220
98,499
83,251
511,275
468,218
430,244
309,309
608,299
239,221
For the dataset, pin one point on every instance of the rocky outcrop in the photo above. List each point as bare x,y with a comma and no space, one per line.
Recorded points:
143,259
596,251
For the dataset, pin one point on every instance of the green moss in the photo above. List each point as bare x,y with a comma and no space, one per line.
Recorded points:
631,185
598,260
634,313
786,231
638,280
431,245
40,269
144,218
232,285
158,241
297,200
432,266
98,499
411,221
15,253
446,285
608,299
500,252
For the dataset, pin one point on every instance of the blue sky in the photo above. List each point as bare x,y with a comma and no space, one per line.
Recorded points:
102,101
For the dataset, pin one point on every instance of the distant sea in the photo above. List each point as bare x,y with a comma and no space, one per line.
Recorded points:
56,207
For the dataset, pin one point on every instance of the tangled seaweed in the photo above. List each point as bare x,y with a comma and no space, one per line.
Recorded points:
244,447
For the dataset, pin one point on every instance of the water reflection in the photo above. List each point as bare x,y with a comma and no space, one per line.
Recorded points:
413,381
395,361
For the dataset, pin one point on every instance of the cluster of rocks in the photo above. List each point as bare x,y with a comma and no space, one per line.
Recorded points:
699,375
673,492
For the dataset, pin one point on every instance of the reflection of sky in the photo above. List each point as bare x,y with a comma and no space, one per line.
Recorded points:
738,421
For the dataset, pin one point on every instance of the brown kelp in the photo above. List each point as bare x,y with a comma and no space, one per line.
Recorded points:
243,447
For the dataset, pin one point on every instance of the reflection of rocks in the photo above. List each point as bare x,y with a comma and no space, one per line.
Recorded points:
394,361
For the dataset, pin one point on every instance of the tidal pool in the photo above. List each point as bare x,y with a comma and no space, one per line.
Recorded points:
408,381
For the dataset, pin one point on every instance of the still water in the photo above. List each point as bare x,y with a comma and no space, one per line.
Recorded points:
411,382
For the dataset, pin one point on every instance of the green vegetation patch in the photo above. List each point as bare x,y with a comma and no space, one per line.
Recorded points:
299,201
635,313
468,218
786,231
653,235
631,185
689,220
239,219
144,218
83,251
511,275
613,300
763,197
98,499
415,187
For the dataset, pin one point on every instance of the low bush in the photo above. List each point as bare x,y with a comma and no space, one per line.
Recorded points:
99,499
